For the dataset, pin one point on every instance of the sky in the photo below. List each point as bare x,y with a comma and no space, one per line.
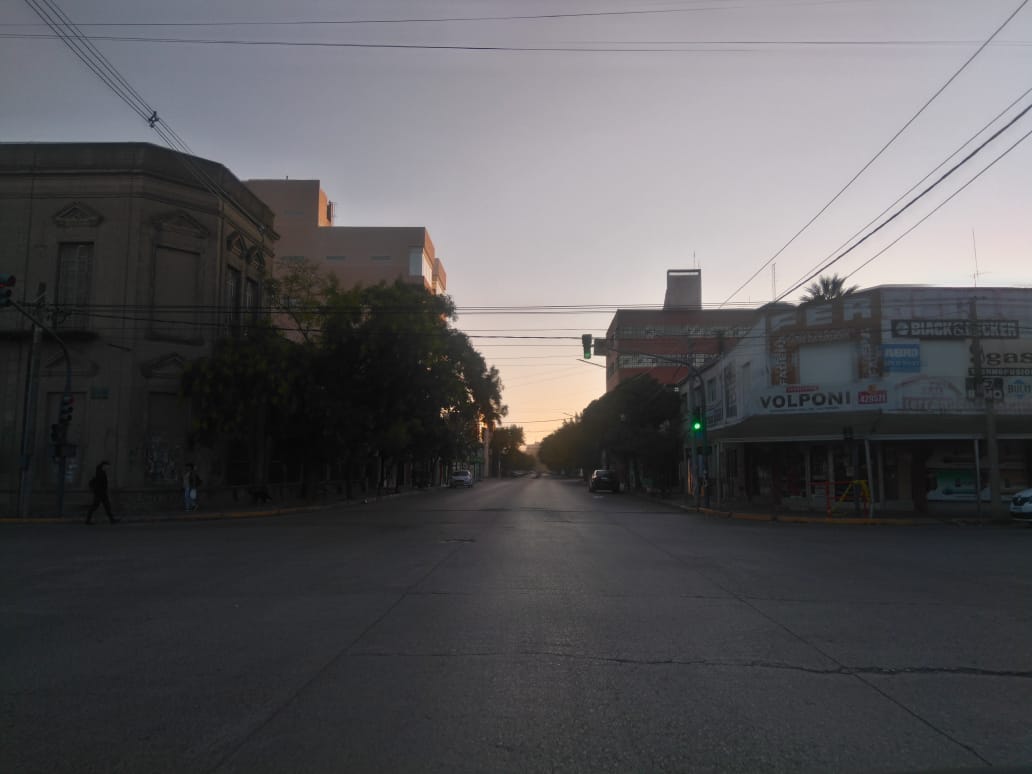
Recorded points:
693,134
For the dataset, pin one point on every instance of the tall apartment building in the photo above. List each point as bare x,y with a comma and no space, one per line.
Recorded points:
356,255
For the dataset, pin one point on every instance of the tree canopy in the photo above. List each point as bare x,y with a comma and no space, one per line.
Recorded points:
636,426
827,288
371,371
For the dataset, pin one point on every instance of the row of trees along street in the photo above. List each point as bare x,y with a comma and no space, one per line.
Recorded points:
350,386
635,430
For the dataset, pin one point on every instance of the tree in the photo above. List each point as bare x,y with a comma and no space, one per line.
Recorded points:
636,427
827,289
298,293
247,385
375,377
505,448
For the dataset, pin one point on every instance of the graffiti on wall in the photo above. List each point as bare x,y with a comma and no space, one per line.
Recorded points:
161,460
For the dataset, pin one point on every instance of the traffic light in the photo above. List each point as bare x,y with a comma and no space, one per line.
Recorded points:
6,289
696,420
67,405
586,342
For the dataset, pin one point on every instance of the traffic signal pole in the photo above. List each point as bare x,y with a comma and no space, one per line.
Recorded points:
699,473
29,424
28,440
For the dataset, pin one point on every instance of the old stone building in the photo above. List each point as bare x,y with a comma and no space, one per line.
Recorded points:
138,258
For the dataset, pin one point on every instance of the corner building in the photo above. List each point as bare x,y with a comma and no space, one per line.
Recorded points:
126,252
896,387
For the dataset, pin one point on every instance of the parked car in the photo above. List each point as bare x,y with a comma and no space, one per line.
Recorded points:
604,479
461,478
1021,505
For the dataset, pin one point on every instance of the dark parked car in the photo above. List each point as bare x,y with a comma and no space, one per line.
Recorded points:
604,479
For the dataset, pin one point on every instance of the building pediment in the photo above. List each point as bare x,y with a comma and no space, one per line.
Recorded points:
77,215
82,366
235,243
164,367
180,222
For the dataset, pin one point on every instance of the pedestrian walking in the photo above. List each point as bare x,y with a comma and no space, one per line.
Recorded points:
190,483
99,487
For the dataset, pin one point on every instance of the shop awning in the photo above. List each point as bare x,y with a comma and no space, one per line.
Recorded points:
869,425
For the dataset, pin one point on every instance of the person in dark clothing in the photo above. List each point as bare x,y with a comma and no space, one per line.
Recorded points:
99,485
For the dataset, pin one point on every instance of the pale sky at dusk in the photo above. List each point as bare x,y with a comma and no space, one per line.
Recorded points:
565,178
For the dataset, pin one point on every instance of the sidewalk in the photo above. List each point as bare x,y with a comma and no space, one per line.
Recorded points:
77,514
748,512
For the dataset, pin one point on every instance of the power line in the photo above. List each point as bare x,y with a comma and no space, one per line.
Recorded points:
880,152
432,20
940,205
914,187
615,47
70,34
913,201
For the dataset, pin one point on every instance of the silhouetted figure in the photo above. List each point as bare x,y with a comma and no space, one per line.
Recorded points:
190,483
99,485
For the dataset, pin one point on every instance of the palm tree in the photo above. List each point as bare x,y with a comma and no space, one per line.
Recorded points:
827,288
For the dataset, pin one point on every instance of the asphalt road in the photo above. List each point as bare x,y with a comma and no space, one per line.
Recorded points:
524,625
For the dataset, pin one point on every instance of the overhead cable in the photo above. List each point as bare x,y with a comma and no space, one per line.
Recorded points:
878,155
917,198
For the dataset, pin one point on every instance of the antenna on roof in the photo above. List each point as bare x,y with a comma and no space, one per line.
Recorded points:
974,249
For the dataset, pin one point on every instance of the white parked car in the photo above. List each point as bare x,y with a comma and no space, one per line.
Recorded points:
461,478
1021,505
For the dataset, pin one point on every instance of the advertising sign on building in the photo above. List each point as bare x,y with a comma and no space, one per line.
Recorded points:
1004,358
901,358
955,329
851,318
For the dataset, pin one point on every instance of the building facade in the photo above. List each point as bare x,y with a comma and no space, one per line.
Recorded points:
909,397
671,342
355,255
138,258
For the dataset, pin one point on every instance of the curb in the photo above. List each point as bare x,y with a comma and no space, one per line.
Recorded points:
168,517
800,519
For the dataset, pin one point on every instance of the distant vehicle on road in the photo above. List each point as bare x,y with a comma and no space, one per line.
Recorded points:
1021,506
461,478
604,479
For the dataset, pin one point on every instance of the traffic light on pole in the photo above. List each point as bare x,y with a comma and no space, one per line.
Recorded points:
6,289
67,406
586,341
696,420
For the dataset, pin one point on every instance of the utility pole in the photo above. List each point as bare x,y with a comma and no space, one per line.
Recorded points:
63,448
29,412
985,388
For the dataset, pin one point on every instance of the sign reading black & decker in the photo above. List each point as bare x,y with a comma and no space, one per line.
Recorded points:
955,329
